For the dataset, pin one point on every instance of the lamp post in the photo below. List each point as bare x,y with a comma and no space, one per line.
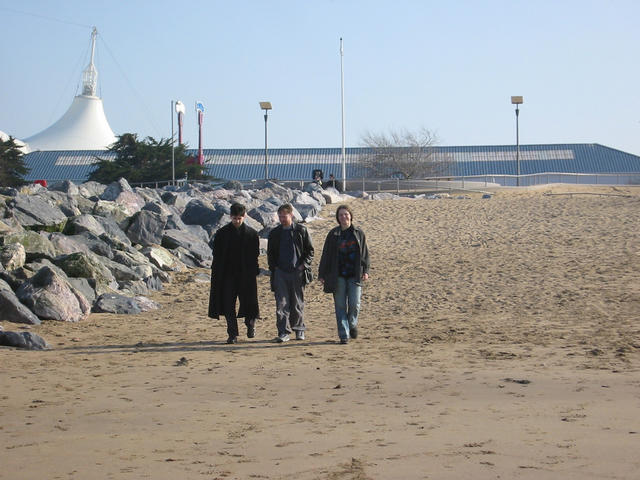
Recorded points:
266,106
178,107
517,101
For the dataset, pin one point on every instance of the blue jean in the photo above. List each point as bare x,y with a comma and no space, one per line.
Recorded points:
346,298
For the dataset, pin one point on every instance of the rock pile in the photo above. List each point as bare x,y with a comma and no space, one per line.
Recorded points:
74,249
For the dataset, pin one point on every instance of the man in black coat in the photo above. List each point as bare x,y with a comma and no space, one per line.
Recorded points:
233,274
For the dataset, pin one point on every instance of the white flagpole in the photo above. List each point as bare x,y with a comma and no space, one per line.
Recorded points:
344,158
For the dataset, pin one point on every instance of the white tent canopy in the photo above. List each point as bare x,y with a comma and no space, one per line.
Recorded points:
84,126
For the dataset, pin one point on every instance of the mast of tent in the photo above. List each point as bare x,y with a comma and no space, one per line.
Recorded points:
90,74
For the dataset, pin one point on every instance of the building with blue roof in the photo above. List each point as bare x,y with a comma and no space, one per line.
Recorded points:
297,164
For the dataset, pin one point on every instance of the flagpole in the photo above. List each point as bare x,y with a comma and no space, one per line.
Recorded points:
344,159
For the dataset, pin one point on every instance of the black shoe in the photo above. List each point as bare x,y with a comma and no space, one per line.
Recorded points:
231,340
251,332
344,341
353,332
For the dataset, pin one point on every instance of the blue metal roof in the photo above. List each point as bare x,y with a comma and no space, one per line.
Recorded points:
298,163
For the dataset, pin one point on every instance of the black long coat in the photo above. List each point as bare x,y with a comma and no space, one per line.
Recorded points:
250,248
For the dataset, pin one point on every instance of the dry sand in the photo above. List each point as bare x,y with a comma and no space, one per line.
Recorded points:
500,338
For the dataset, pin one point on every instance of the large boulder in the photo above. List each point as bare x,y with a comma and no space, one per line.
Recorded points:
307,205
122,194
117,212
146,228
84,223
85,265
163,259
272,189
202,212
116,303
113,234
176,199
26,340
91,190
67,187
265,214
35,213
12,256
194,244
64,245
94,244
35,245
114,189
51,297
12,310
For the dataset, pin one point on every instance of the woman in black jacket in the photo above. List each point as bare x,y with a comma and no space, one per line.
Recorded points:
344,265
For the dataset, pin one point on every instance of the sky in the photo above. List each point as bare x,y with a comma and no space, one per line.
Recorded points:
447,66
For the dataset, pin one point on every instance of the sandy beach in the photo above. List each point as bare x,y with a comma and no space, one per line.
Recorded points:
499,338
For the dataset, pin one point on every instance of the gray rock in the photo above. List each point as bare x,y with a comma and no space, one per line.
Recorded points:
202,212
37,213
86,286
148,194
94,244
12,256
65,245
67,187
12,310
85,205
178,238
177,199
26,340
146,304
16,277
120,272
87,266
266,215
114,189
115,303
84,223
113,234
158,207
35,245
112,210
138,287
51,297
91,190
146,228
163,259
66,203
5,286
308,211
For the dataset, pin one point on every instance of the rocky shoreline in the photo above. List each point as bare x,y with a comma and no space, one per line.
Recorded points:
76,249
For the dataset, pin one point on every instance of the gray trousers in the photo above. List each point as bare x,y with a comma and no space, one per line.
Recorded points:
289,293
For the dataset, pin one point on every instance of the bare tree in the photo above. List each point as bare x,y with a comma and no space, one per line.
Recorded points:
403,154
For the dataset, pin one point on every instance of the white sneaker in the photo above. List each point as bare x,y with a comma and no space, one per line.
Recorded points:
283,338
299,335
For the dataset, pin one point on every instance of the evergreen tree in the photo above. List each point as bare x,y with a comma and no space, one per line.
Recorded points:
12,167
148,160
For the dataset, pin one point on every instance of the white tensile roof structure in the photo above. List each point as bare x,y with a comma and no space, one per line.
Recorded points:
84,126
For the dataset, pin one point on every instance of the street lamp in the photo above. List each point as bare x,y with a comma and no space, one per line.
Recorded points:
178,107
517,101
266,106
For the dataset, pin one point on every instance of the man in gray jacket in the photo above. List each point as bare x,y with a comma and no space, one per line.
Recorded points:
289,254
